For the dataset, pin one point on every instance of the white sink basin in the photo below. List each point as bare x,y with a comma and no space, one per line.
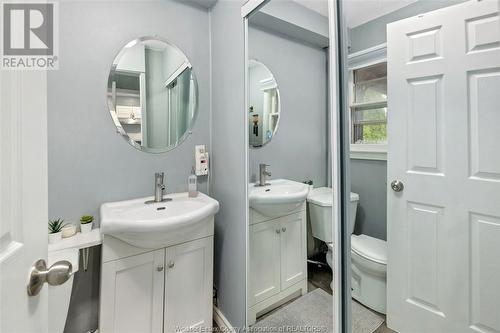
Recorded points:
159,224
279,198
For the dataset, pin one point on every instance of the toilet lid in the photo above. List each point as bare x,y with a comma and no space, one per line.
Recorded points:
323,196
370,248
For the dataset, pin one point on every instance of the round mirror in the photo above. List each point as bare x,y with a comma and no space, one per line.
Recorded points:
264,104
152,94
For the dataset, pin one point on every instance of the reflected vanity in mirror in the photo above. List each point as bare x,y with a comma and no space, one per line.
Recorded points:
289,262
152,94
264,104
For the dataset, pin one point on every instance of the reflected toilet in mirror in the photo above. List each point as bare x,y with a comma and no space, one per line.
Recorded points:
152,94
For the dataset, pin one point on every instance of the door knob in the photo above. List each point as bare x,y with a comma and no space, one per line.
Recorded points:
397,185
55,275
171,264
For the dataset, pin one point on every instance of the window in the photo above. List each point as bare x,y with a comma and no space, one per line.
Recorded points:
369,106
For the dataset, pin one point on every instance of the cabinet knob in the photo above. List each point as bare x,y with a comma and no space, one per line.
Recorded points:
159,268
171,264
283,229
278,231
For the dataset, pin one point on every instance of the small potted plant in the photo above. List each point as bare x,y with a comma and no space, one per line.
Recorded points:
55,230
86,223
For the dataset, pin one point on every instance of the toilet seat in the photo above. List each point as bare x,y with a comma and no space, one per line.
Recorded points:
370,248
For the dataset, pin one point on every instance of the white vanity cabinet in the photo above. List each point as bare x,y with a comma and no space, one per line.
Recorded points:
277,260
293,245
264,257
189,286
164,290
132,294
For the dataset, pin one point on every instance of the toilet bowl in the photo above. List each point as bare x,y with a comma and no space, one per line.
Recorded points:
369,271
59,296
368,254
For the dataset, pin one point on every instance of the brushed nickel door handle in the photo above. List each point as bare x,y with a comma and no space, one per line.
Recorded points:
55,275
397,185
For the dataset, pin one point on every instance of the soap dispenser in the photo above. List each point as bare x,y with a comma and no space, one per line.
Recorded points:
192,185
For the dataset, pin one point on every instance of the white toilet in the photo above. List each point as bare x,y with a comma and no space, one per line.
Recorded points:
59,296
368,254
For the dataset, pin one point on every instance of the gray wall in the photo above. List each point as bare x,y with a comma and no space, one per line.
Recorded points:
294,20
374,32
89,163
298,151
228,158
369,177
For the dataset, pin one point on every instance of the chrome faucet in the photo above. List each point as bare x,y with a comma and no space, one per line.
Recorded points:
263,173
159,189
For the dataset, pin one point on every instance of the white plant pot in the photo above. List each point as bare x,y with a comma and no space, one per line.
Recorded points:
87,227
54,238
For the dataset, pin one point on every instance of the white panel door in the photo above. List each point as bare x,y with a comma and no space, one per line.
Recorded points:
293,250
264,261
23,198
132,294
444,139
189,286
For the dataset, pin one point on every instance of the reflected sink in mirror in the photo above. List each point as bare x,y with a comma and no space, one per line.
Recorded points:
279,198
159,224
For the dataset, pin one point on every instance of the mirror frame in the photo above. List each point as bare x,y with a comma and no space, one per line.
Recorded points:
279,103
114,118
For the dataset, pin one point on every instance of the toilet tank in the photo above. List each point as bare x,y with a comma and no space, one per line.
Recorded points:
320,213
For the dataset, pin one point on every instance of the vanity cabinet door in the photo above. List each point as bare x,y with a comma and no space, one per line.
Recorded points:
264,265
189,286
132,294
293,250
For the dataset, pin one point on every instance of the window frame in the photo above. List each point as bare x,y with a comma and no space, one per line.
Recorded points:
365,58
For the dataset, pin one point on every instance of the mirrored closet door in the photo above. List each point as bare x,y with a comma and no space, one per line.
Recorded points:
290,194
421,108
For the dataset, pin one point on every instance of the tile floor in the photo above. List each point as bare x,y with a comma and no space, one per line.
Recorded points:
320,277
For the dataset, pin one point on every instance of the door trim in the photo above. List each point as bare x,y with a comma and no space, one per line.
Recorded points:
341,166
221,321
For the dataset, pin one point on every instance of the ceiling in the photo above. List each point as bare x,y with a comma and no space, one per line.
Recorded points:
362,11
358,12
203,3
319,6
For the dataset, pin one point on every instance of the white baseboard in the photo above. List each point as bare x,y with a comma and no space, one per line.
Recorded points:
222,321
